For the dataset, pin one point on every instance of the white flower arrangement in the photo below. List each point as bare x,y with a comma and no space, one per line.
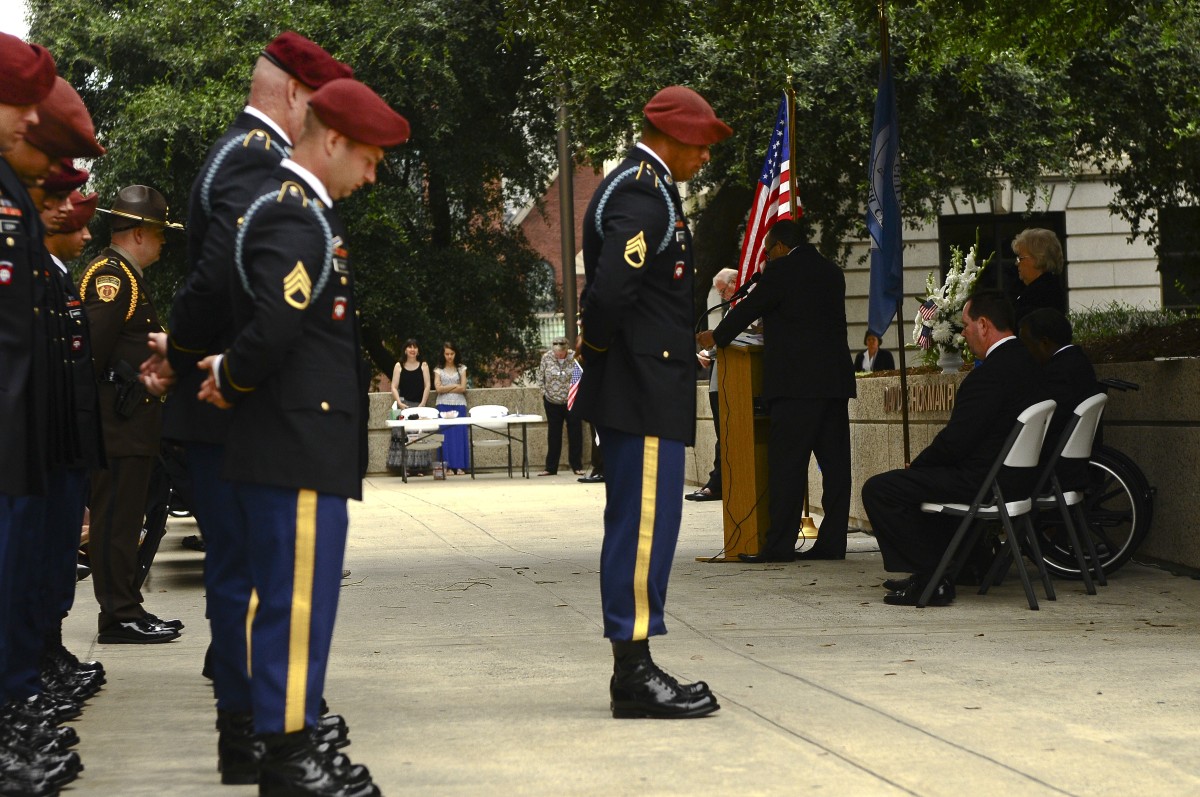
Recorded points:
938,325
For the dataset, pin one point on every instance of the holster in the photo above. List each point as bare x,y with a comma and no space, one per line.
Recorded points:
130,390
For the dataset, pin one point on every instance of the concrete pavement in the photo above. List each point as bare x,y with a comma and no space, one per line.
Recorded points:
468,659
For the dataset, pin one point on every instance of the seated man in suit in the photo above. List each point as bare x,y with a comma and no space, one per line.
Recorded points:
1067,377
953,466
873,358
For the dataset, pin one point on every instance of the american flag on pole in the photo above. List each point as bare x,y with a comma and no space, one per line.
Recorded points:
772,198
573,390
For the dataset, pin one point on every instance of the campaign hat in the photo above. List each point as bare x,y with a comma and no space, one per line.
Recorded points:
684,115
82,210
64,127
28,71
357,112
305,60
136,205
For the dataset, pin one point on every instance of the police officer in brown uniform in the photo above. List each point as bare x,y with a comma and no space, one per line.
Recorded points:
121,316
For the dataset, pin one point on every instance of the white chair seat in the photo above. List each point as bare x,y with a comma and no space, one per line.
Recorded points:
1070,498
988,512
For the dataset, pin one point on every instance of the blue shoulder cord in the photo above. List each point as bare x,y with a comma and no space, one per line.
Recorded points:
612,187
241,237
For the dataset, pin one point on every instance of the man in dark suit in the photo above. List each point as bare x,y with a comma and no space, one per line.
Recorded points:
874,358
285,76
807,381
952,467
121,316
639,389
1067,377
296,449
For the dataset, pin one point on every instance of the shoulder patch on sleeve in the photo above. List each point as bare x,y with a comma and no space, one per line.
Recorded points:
107,287
635,250
297,287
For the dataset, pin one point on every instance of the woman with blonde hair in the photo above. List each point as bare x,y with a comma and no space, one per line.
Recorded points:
1039,263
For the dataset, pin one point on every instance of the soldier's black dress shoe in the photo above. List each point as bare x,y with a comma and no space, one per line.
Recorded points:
703,494
45,708
638,688
762,558
136,632
293,766
239,750
28,779
594,478
331,729
943,595
48,770
65,660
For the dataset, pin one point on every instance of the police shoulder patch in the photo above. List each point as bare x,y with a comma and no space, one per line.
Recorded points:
107,287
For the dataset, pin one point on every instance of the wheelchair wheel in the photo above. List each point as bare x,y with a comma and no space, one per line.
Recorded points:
1118,505
176,507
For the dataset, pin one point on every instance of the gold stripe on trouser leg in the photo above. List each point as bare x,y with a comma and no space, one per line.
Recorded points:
251,610
301,622
641,569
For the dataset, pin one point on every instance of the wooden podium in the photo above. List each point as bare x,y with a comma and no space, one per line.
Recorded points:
743,451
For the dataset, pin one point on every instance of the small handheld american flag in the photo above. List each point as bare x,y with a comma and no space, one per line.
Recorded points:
573,390
927,312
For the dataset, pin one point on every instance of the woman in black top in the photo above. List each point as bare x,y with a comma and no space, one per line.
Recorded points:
1039,262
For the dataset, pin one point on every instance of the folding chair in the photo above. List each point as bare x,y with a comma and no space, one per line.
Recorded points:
419,441
499,434
1075,443
1020,450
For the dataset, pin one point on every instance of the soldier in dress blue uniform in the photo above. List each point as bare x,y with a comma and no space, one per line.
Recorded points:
296,451
638,386
121,316
34,429
65,242
287,73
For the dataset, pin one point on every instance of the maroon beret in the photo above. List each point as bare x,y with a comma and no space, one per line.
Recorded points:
686,116
352,109
64,177
82,210
64,127
304,60
26,71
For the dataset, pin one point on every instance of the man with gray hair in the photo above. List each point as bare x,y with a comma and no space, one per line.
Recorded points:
724,284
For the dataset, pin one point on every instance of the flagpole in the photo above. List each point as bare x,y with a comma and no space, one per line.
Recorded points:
903,380
791,125
884,56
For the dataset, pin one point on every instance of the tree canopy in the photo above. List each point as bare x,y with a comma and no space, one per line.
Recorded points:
986,90
433,259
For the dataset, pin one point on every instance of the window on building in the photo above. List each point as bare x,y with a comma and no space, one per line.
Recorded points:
1179,257
995,234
